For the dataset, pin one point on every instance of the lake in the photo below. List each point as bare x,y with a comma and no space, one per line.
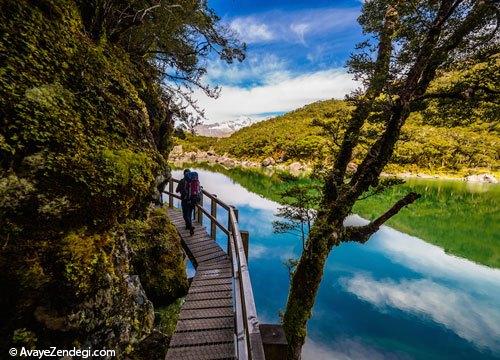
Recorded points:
396,297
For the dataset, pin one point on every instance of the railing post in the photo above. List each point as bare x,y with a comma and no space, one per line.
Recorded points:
274,341
245,235
213,212
200,213
171,191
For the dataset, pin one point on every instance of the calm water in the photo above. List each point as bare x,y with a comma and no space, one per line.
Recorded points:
396,297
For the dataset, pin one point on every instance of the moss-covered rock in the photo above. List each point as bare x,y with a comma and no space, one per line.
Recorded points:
79,158
156,247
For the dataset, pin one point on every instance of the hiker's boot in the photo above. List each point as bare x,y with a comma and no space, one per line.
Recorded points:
191,231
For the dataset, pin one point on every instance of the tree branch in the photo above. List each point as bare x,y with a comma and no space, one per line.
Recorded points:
362,233
362,111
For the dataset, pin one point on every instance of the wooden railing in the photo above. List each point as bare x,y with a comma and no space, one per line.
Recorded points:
247,333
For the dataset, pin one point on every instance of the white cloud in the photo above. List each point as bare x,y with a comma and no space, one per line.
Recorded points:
284,93
250,30
300,29
473,319
275,26
430,260
343,349
253,69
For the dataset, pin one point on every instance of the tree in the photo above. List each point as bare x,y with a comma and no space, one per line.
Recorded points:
190,123
414,41
298,213
167,40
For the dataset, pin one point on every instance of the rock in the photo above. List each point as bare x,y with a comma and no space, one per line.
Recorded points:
201,155
190,156
176,150
228,162
296,168
268,162
482,178
153,347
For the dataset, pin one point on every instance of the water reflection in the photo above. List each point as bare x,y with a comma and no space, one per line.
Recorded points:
397,297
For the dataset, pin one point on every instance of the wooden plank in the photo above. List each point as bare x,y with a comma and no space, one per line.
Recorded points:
206,313
207,352
205,324
217,256
207,304
209,337
214,288
205,245
207,251
209,295
209,282
222,264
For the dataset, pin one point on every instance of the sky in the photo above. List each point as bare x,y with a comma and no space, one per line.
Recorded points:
296,52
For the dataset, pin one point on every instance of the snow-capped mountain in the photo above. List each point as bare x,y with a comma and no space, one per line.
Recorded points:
224,129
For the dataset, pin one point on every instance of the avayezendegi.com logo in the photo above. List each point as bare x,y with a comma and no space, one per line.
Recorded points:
55,352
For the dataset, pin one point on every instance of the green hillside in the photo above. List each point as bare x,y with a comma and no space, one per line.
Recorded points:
455,135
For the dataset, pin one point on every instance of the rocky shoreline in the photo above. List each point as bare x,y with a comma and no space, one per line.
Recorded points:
178,158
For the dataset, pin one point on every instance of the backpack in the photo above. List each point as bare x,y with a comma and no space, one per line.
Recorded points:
193,188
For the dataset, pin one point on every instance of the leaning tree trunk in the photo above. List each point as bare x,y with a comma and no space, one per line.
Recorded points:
304,286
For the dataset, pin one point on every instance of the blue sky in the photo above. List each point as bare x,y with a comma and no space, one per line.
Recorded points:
296,53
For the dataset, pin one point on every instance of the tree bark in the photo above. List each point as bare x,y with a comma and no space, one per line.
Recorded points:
305,283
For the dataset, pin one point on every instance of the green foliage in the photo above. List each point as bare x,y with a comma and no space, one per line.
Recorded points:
289,137
461,218
157,256
84,135
191,142
446,134
166,317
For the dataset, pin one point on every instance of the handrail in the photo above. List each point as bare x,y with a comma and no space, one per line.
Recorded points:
248,338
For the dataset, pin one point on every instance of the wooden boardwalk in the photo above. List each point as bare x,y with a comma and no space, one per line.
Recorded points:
206,326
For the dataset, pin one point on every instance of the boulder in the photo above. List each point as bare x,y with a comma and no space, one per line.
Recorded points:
269,161
227,162
296,168
190,156
201,155
482,178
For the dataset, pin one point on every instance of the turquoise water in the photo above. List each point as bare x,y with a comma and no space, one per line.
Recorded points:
396,297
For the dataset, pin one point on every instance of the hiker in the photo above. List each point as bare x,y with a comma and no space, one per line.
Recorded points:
190,190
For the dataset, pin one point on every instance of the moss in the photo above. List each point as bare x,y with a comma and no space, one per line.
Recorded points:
157,256
166,317
78,158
